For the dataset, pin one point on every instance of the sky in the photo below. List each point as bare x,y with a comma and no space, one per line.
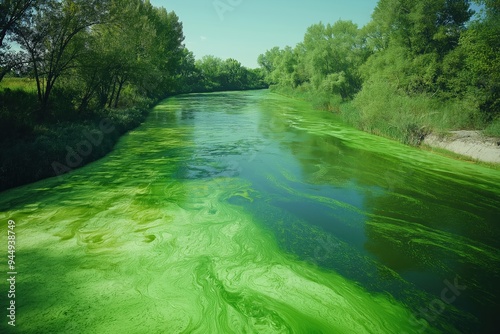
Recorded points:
244,29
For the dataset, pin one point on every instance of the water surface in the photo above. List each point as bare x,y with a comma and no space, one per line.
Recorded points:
249,212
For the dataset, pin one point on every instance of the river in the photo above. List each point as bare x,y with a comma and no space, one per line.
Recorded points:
249,212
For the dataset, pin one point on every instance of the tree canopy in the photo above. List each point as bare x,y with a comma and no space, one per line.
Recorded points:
437,52
105,53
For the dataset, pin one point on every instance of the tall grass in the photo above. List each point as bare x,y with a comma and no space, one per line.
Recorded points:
23,84
381,109
493,129
318,99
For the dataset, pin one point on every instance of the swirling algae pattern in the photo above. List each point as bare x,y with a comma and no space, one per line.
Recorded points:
165,235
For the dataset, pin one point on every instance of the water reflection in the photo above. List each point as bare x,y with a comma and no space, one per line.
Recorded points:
252,211
420,218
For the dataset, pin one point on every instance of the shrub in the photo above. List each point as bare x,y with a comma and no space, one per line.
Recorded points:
28,159
493,128
384,110
16,112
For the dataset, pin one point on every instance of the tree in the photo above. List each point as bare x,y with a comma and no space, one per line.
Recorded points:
332,57
188,75
167,50
268,62
234,74
481,46
284,68
11,12
420,26
53,39
210,68
414,43
215,74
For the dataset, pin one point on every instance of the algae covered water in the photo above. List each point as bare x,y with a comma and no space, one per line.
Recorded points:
248,212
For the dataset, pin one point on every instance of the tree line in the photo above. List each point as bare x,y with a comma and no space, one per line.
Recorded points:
94,54
66,66
417,66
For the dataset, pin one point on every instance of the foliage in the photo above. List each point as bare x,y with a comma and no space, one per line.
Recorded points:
82,60
326,62
215,74
53,38
111,53
481,46
32,157
383,109
493,128
16,108
11,12
418,66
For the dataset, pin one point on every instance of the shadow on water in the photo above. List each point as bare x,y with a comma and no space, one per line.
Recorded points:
184,216
402,223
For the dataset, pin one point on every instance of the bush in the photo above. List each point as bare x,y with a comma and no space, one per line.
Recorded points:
16,112
383,110
26,160
493,128
318,99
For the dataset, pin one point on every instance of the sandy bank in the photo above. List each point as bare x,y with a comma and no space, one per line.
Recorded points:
467,143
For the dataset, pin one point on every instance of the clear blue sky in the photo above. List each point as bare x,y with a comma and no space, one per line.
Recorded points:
243,29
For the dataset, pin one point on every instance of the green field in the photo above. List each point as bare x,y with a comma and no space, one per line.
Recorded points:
25,84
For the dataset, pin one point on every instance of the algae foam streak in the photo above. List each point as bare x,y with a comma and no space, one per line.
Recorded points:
248,212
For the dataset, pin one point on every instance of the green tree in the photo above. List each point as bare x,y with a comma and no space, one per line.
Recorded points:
234,74
166,52
188,75
53,39
11,12
412,40
333,55
420,26
284,68
215,74
268,62
140,47
481,47
210,68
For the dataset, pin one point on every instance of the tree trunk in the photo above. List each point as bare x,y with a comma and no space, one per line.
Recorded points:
120,86
44,103
112,96
3,72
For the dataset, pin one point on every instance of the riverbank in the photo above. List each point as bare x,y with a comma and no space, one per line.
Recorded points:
470,144
55,149
31,153
351,213
473,145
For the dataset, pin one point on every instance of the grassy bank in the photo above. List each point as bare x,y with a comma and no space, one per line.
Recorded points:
50,150
382,111
31,150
